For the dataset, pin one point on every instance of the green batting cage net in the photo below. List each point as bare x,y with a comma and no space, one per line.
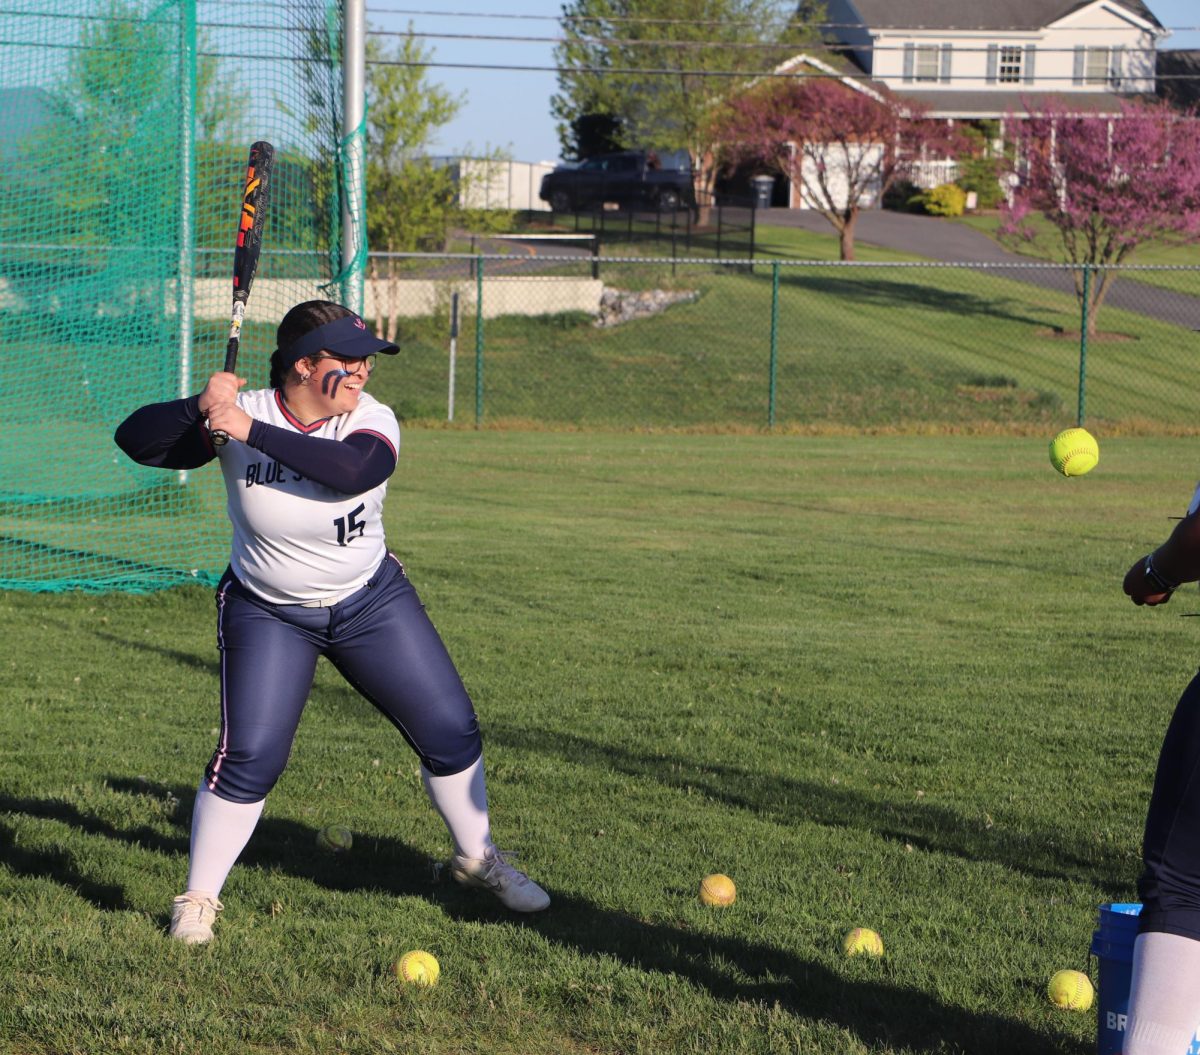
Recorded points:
125,128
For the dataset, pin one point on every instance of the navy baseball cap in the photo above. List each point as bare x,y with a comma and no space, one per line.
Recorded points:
346,338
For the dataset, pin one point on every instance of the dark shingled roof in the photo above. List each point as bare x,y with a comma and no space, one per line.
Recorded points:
978,14
1178,71
984,104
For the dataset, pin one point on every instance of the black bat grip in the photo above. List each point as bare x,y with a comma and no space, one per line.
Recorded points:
220,438
231,354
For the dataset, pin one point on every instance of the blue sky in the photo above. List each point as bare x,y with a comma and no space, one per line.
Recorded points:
511,109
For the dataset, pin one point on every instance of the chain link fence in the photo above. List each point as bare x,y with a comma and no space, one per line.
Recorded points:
563,339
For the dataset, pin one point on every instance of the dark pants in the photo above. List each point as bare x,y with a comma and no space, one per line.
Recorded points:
1169,886
381,641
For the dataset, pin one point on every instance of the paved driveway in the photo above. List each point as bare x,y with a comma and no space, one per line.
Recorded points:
943,240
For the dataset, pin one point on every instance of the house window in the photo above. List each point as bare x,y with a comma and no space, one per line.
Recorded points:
1010,66
1095,70
925,68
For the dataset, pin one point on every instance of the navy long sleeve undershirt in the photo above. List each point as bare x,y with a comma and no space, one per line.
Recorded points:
166,435
172,436
356,464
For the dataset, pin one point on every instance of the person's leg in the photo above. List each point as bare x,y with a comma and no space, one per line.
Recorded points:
267,666
1164,998
220,830
461,801
1165,995
386,647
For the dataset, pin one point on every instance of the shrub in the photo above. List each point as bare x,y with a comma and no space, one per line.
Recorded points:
948,199
899,195
981,175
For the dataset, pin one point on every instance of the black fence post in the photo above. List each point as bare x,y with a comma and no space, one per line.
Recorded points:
753,227
595,255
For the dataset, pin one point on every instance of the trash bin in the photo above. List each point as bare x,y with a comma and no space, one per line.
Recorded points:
763,186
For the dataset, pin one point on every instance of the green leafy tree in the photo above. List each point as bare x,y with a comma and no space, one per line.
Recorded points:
700,52
411,199
414,200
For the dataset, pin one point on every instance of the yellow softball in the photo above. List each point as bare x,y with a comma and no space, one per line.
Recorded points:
1074,452
335,839
1071,990
862,942
717,889
417,968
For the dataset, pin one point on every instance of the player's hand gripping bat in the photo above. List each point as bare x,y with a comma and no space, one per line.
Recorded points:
245,254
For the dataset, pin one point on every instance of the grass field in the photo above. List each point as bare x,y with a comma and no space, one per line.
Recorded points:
912,348
879,681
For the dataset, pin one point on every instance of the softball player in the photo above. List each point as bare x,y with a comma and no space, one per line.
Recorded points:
306,471
1164,1001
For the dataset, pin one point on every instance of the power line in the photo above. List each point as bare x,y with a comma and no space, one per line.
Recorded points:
686,44
632,19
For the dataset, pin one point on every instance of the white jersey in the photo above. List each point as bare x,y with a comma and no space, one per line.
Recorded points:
295,540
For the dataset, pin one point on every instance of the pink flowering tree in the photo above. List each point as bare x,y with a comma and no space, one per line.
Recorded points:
842,147
1107,184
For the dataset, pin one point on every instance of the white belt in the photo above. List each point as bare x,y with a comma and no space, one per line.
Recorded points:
331,600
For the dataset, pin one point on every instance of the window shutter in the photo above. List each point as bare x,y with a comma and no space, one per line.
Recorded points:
1030,58
1080,59
993,65
1116,65
947,52
909,60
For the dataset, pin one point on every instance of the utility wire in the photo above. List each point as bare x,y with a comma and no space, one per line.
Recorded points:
633,19
818,46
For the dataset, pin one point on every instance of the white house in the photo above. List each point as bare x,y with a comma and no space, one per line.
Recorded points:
981,59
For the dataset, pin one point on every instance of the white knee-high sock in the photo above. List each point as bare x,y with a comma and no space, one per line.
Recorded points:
461,799
220,831
1164,997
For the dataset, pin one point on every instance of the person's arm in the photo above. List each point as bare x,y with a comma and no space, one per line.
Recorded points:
1154,577
173,435
166,435
358,463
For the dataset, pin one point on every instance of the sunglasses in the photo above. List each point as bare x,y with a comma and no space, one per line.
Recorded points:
351,366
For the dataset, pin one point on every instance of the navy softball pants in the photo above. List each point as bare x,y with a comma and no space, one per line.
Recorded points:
379,639
1169,886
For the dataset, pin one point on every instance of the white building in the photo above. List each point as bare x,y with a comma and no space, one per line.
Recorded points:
486,183
981,59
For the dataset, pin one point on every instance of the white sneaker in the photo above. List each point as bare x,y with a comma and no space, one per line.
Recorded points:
493,872
192,918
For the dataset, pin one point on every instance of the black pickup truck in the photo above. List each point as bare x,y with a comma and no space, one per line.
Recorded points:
630,179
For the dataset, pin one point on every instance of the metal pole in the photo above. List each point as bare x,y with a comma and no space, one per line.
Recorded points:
774,341
354,93
479,342
453,353
185,288
1083,329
